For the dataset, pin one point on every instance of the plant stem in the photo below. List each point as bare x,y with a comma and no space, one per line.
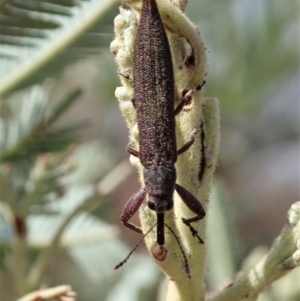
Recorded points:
123,170
182,34
283,256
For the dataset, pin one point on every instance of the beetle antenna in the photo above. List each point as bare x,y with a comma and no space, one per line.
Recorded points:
186,263
132,251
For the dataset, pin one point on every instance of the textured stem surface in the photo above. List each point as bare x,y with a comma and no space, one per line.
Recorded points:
283,256
189,63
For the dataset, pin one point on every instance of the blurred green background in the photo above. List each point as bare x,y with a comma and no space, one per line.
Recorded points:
57,75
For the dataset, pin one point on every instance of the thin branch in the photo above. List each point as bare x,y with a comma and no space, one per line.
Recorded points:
18,238
39,266
283,257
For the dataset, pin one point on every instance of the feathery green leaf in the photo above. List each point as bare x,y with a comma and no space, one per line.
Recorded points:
35,32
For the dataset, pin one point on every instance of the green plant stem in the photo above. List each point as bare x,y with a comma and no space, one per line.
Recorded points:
39,266
119,174
183,35
283,257
18,265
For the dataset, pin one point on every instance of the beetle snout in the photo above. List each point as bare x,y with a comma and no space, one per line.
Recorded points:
160,205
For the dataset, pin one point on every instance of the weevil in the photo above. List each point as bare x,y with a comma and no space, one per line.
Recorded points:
154,100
